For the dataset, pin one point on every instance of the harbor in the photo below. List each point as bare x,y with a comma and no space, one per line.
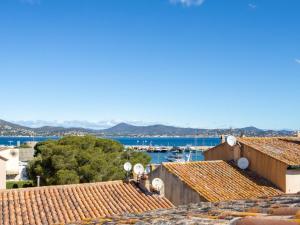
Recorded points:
160,149
161,157
149,148
198,143
160,154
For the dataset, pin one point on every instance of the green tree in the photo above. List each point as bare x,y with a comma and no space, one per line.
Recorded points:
24,145
85,159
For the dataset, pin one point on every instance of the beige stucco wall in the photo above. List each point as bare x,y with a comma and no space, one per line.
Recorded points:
220,152
26,154
174,189
293,181
2,174
266,166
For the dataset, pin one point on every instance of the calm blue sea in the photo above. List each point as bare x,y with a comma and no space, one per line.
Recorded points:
156,157
169,141
14,140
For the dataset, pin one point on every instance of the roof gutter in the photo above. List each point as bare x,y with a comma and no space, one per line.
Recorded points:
293,167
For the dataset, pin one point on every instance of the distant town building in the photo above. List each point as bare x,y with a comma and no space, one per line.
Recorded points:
75,203
275,159
213,181
2,172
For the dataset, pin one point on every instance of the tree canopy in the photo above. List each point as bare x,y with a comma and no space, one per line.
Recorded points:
84,159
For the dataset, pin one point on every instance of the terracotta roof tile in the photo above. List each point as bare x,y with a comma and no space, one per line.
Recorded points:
70,203
274,210
286,150
221,181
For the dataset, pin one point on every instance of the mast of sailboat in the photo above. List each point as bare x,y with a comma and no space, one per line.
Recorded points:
189,156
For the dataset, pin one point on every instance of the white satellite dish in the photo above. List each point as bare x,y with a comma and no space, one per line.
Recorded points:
231,140
243,163
157,184
138,168
127,166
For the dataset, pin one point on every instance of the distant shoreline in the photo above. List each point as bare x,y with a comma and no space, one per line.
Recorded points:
40,136
126,141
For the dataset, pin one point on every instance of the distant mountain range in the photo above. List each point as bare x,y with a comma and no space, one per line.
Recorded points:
124,129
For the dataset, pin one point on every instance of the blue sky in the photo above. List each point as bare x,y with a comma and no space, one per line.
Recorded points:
189,63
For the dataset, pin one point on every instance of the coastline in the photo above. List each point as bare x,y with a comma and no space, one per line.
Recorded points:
147,136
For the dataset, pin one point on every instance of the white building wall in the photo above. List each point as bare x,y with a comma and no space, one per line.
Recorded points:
293,181
12,163
2,174
22,171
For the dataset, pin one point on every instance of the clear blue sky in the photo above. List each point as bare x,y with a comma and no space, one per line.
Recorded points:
216,64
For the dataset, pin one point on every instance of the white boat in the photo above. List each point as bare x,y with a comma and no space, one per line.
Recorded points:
178,157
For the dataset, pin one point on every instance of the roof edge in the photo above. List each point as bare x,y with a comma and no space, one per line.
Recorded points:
66,186
3,158
193,162
271,156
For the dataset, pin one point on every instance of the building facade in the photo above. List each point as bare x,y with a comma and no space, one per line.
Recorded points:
12,163
275,159
212,181
2,172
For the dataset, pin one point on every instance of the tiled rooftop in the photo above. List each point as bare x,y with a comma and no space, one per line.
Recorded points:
286,150
221,181
295,140
69,203
272,211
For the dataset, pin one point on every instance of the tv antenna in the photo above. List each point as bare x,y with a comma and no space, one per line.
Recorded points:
148,169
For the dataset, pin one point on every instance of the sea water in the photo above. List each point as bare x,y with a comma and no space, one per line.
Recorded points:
157,157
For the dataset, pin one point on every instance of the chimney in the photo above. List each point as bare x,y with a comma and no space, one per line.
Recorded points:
223,138
144,183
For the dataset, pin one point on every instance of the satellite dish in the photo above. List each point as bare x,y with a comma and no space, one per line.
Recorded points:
127,166
231,140
13,153
243,163
138,168
157,184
